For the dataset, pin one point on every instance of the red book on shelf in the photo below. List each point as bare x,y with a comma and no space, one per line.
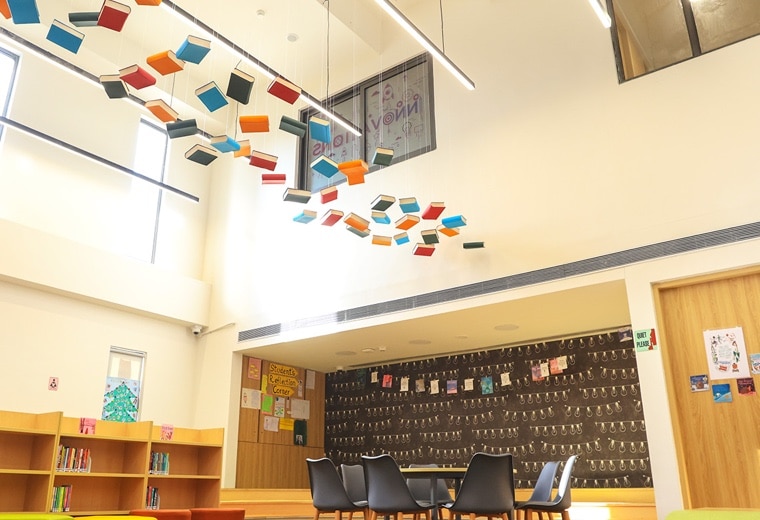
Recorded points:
272,178
284,89
137,77
433,211
263,160
113,15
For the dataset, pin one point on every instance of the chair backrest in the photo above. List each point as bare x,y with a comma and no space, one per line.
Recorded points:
420,487
327,491
562,498
488,486
387,491
353,481
542,492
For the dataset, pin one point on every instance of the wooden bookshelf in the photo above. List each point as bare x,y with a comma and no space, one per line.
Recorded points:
118,476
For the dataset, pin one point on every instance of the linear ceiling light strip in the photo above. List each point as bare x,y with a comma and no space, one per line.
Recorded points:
423,40
259,65
84,153
601,13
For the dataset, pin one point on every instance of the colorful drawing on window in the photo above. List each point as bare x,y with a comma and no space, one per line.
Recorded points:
726,353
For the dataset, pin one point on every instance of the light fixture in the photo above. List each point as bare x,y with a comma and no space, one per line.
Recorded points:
601,13
423,40
259,65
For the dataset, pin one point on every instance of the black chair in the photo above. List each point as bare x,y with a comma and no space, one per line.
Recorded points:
353,481
488,488
561,501
542,492
420,487
387,492
327,492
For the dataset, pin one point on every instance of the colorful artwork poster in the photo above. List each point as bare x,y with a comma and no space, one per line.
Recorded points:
419,385
121,400
726,353
554,367
745,386
451,386
267,404
699,383
405,384
254,369
387,381
754,360
167,432
535,372
486,385
722,393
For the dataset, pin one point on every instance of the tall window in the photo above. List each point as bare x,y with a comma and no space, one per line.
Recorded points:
124,378
8,66
397,111
140,232
652,34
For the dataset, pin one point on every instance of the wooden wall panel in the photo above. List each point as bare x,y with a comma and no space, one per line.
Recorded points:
718,444
274,466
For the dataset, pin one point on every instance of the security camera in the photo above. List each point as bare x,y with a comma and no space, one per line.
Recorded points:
197,329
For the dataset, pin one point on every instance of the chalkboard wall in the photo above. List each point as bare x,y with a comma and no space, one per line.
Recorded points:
540,402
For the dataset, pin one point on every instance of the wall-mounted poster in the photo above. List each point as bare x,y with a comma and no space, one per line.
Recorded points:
726,353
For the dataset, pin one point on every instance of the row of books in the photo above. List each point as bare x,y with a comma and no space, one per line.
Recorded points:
61,499
159,463
73,459
152,500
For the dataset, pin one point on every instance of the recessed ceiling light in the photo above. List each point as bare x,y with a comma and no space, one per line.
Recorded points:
292,37
345,353
420,342
461,336
261,13
507,326
368,350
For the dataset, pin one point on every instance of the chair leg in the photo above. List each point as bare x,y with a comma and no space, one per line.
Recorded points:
565,515
316,514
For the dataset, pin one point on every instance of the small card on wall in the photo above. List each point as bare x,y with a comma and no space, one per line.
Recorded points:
434,386
699,383
167,432
745,386
404,384
469,384
505,381
722,393
87,425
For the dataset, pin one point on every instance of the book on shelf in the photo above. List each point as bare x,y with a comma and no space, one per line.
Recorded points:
429,236
383,156
319,129
201,154
407,222
162,110
355,221
424,249
284,89
328,194
273,178
152,498
193,49
83,18
449,232
381,217
325,166
24,11
254,123
165,62
211,96
294,195
380,240
224,143
159,463
245,149
137,77
240,86
114,86
454,222
305,216
433,211
4,9
113,15
331,217
61,499
383,202
293,126
65,36
358,232
408,204
401,238
181,128
76,460
263,160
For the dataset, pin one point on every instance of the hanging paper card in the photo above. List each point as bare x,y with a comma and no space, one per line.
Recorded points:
754,360
469,384
404,384
451,386
419,385
434,386
486,385
505,381
387,381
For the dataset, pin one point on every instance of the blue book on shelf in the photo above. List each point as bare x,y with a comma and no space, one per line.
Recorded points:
211,96
319,129
193,49
454,222
24,11
65,36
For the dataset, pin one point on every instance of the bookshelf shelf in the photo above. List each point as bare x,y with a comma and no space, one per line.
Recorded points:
119,456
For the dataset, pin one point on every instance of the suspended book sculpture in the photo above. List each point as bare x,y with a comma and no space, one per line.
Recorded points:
240,86
381,217
224,143
407,222
263,160
454,222
272,178
424,249
193,49
165,62
331,217
383,156
319,129
284,89
328,194
293,126
182,128
409,205
355,221
358,232
401,238
114,86
354,171
113,15
211,96
449,232
65,36
325,166
24,11
250,124
430,236
433,211
473,245
305,216
294,195
162,110
201,154
380,240
148,2
4,9
245,149
83,19
137,77
383,202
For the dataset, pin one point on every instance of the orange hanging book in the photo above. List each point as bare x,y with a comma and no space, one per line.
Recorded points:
254,123
165,62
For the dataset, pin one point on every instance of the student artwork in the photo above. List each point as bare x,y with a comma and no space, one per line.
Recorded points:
120,400
699,383
486,385
745,386
451,386
726,353
754,360
722,393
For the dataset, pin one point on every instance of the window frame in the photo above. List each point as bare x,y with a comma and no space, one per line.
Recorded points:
6,103
357,93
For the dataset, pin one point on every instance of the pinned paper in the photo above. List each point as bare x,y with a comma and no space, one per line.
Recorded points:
267,404
254,369
310,379
434,386
287,424
279,406
451,386
271,424
167,432
505,381
405,384
299,409
419,385
486,385
562,362
469,384
250,398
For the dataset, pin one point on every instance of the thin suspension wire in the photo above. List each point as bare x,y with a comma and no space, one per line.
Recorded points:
443,41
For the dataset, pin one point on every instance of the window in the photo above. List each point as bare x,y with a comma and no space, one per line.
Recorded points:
652,34
398,113
8,66
140,231
121,400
